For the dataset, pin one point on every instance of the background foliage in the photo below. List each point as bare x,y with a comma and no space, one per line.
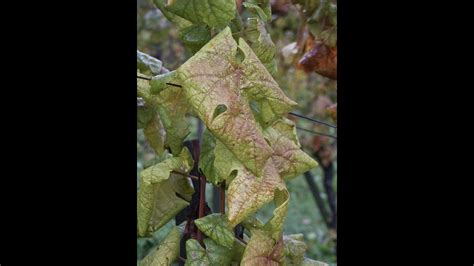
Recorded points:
313,93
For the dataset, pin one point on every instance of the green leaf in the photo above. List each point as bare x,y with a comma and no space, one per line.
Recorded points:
144,115
217,228
207,158
262,7
215,78
252,222
263,250
217,254
195,254
294,249
247,193
276,223
257,9
310,262
211,12
177,20
155,133
173,107
287,128
287,156
214,254
158,82
157,201
146,62
195,36
261,43
167,252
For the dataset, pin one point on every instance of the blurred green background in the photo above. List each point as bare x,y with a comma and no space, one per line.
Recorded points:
159,38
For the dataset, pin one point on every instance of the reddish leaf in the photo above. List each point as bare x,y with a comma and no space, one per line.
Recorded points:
321,59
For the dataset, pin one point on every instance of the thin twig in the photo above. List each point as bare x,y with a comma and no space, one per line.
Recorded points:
186,175
143,77
181,259
241,240
313,120
318,133
222,198
202,204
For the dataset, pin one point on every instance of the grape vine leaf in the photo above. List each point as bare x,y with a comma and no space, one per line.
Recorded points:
261,43
287,156
294,249
219,85
247,193
207,158
155,133
261,7
172,108
217,228
310,262
157,200
195,36
177,20
167,252
263,250
276,223
211,12
149,63
213,255
287,128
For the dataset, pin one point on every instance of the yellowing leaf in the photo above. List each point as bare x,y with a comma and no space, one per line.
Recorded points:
261,43
287,128
260,87
217,228
167,252
211,12
287,156
275,224
173,107
247,193
262,250
157,201
219,81
155,133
